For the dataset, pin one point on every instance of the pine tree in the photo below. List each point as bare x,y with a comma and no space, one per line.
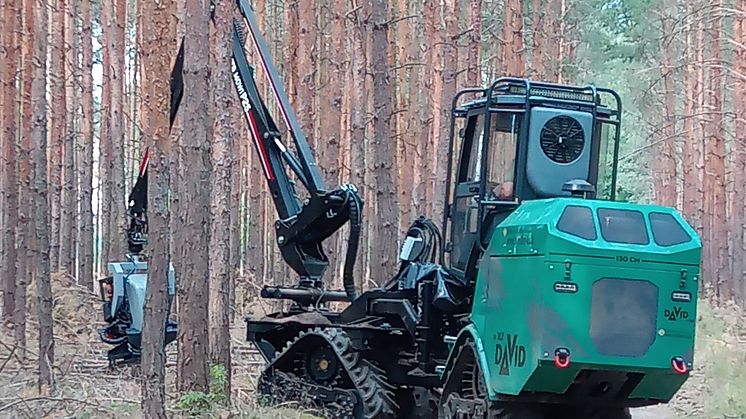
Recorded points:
41,257
158,28
193,205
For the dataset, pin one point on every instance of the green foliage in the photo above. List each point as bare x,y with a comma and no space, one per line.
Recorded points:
218,383
198,403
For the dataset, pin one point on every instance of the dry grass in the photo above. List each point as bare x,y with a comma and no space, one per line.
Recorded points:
86,387
717,386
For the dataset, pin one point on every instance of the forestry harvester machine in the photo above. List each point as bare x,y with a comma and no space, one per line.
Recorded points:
540,296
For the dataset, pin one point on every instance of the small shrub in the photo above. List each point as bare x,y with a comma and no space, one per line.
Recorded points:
198,403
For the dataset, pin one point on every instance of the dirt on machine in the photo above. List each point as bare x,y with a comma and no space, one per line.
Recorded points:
538,295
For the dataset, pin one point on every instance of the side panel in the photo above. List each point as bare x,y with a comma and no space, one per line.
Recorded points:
507,311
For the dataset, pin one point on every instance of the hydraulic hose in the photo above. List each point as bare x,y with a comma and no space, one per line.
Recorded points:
348,278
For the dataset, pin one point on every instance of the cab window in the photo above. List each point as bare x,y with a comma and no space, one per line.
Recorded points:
623,226
505,129
666,230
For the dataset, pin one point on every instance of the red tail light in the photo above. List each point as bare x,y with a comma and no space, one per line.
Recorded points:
562,358
679,365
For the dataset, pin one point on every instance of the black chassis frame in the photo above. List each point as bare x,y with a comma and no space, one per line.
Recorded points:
381,322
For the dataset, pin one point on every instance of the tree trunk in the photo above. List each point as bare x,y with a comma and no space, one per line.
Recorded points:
107,236
692,193
474,58
117,220
358,112
415,129
85,258
664,163
513,38
540,16
158,28
715,175
435,111
41,210
194,202
423,191
25,225
69,182
448,91
306,67
56,124
739,179
560,44
383,253
8,69
220,188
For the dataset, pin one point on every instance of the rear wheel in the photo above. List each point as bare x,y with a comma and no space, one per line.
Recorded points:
465,394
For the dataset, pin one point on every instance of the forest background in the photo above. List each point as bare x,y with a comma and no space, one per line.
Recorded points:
372,82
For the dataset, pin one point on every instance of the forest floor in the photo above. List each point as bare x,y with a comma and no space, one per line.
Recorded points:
87,388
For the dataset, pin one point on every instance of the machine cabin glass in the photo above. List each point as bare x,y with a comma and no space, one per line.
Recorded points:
488,160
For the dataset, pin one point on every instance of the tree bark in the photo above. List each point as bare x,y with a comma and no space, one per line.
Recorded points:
105,173
560,43
715,196
41,210
306,68
413,145
85,259
8,69
68,208
117,220
474,57
513,38
358,111
158,28
692,192
25,221
383,253
56,124
423,191
540,16
220,188
739,179
448,91
664,163
194,202
436,110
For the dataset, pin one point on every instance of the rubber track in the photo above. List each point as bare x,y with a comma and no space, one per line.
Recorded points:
489,410
369,381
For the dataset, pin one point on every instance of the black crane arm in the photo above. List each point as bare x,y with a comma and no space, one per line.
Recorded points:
302,226
137,201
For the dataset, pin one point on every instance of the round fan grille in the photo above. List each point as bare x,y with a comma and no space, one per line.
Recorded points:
562,139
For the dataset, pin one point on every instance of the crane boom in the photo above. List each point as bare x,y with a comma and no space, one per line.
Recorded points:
302,226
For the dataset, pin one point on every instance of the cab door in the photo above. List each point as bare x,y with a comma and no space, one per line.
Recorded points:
465,206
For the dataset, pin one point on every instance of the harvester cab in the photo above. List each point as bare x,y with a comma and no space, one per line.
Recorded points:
520,140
